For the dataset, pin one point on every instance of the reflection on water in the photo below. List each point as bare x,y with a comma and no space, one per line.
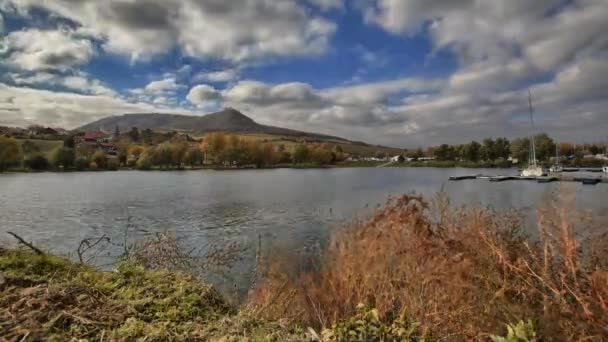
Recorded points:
295,208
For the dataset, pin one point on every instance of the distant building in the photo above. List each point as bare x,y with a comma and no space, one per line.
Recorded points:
96,140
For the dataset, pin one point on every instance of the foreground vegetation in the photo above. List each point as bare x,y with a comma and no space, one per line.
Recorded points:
414,270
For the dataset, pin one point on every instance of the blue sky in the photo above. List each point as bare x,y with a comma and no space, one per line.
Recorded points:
396,72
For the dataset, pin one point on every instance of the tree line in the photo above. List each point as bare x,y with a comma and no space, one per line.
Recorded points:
503,149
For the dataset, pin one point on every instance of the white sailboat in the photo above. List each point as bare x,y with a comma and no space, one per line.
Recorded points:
557,167
533,170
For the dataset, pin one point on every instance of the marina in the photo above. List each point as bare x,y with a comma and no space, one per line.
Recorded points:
540,179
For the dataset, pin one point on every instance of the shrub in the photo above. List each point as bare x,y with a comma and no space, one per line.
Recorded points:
461,273
101,159
37,162
113,164
10,153
63,157
81,163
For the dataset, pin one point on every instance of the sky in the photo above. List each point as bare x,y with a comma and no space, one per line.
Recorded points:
394,72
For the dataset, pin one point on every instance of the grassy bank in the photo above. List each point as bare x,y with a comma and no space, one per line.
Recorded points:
44,297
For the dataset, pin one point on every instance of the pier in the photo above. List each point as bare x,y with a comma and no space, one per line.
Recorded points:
545,179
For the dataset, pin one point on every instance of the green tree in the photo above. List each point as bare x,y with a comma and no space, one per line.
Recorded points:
520,149
146,136
63,157
179,148
472,151
300,154
445,152
37,162
502,148
194,156
545,147
134,134
10,153
488,150
69,141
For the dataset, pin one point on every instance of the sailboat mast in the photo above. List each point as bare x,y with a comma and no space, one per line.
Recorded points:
532,137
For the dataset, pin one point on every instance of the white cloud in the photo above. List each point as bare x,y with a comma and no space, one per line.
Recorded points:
162,86
327,4
35,49
203,94
81,83
23,106
233,30
217,76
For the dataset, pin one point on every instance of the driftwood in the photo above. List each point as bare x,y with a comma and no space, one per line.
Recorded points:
27,244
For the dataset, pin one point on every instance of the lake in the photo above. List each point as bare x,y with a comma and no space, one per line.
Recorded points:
291,207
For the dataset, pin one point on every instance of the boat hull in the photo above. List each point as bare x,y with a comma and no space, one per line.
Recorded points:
532,172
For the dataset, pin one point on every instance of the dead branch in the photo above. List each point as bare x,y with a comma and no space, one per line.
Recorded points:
27,244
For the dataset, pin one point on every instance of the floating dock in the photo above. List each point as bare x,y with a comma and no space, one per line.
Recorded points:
545,179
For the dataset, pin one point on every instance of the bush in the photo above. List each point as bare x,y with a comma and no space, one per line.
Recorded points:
113,164
81,164
63,157
37,162
101,159
10,153
460,273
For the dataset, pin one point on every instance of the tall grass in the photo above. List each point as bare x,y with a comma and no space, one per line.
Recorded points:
457,273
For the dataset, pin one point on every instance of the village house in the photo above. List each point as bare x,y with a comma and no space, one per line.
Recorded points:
96,140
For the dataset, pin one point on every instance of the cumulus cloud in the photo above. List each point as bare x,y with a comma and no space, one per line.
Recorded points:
162,86
80,83
203,94
35,49
24,105
233,30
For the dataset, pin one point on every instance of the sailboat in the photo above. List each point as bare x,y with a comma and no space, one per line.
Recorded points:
533,170
557,167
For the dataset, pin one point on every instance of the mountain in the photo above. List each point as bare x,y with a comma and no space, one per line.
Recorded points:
227,120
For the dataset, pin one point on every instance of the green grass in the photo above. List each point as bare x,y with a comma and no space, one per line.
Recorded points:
45,297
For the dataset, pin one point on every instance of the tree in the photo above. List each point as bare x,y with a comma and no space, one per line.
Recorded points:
134,134
146,159
194,156
415,154
545,147
146,136
37,162
300,154
472,151
163,155
69,141
122,149
100,158
10,153
520,149
179,148
445,152
488,151
502,148
63,157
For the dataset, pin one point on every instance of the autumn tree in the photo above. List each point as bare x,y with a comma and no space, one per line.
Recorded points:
10,153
